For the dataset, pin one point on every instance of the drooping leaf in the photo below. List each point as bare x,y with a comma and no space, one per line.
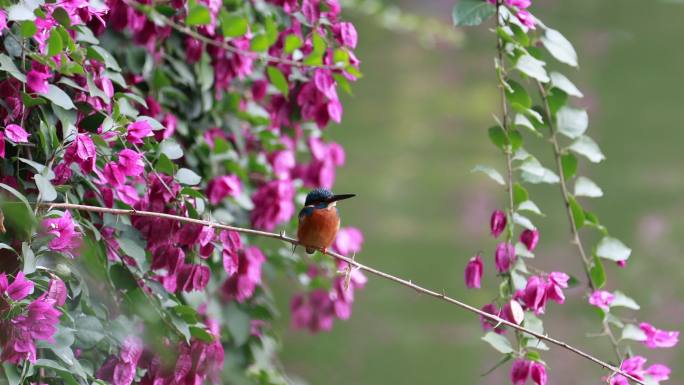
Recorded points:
7,65
529,206
587,188
559,47
59,97
55,44
586,147
498,342
633,332
622,300
534,172
520,194
569,164
572,122
597,273
277,78
559,81
498,136
47,191
517,95
490,172
612,249
577,211
187,177
532,67
472,12
233,25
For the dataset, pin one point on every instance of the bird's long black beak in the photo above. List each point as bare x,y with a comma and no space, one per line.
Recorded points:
339,197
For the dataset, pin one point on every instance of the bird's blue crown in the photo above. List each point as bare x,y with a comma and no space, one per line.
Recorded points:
317,196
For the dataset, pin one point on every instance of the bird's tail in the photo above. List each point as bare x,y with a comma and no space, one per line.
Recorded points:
310,250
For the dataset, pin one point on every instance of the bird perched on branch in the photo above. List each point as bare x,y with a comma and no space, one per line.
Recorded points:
319,219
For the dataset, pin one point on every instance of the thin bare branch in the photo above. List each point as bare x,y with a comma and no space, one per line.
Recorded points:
379,273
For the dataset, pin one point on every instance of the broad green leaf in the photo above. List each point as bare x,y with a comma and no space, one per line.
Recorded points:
597,273
23,10
278,80
132,249
28,28
490,172
534,172
587,188
498,342
62,17
569,164
55,44
572,122
498,137
171,149
633,332
559,81
89,330
516,139
621,300
523,221
11,373
577,212
187,177
559,47
529,206
198,15
47,191
102,55
557,99
59,97
520,194
29,259
532,67
292,42
164,165
517,95
472,12
613,249
238,323
233,25
63,372
586,147
521,251
259,43
522,121
201,334
7,65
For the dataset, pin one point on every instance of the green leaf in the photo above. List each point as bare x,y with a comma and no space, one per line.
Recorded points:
164,165
498,137
233,25
292,42
187,177
517,95
63,372
201,334
133,250
613,249
198,15
529,206
122,278
621,300
516,139
490,172
22,10
523,221
28,28
557,99
7,65
587,188
55,44
171,149
633,332
278,80
569,164
559,81
577,212
11,373
238,323
259,43
59,97
559,47
45,188
533,172
597,273
89,330
62,17
498,342
103,56
532,67
472,12
572,122
520,194
586,147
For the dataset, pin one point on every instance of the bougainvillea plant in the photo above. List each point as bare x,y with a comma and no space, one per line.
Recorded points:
536,104
204,109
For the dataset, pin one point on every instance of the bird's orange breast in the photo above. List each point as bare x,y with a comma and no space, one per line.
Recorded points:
319,228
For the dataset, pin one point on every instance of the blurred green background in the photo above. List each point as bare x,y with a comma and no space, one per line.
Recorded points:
413,129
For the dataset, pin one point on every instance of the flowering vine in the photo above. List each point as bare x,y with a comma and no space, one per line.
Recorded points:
520,37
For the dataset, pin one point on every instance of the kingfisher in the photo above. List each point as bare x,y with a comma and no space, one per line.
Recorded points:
319,219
